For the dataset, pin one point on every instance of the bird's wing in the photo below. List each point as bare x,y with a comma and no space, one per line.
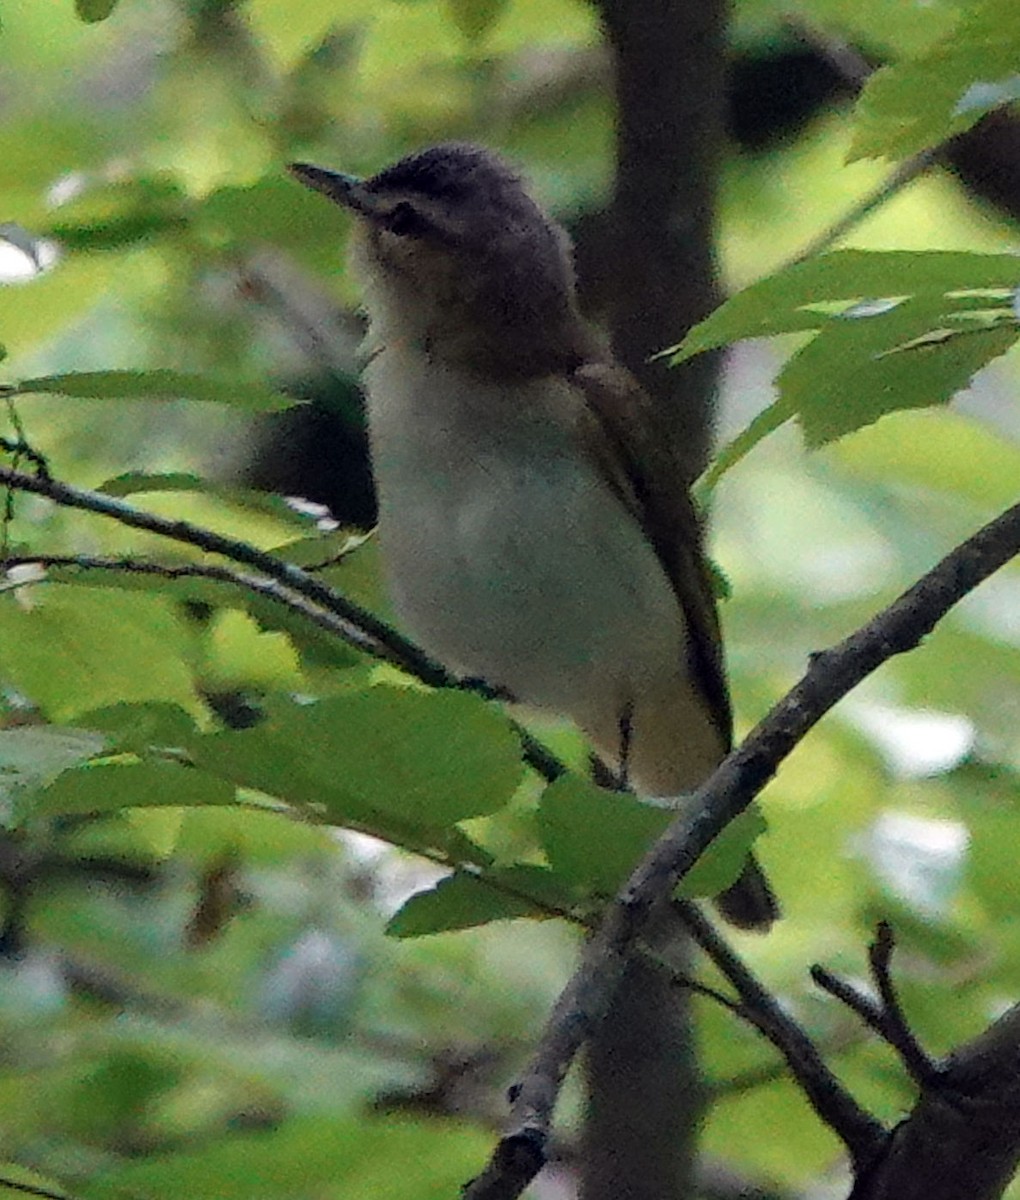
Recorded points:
618,429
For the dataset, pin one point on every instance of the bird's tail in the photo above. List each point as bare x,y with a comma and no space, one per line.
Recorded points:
750,903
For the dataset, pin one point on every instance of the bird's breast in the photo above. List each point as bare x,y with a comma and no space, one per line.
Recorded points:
507,555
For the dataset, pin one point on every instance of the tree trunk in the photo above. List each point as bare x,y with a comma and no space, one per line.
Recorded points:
658,275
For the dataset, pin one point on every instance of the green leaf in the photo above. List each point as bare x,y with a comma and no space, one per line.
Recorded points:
801,296
536,883
107,1093
723,861
358,574
390,759
895,329
923,100
79,648
853,372
114,214
463,850
132,482
593,837
158,384
460,901
759,427
474,18
306,1155
180,590
91,11
334,547
107,788
278,212
33,756
239,654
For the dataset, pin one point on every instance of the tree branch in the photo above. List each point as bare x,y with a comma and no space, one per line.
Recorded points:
832,1103
723,796
329,608
360,628
271,589
962,1140
899,1034
855,69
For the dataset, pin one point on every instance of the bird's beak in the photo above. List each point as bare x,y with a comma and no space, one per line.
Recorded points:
345,190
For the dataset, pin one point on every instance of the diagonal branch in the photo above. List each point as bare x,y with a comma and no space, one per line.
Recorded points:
271,589
859,1130
984,158
360,628
723,796
355,625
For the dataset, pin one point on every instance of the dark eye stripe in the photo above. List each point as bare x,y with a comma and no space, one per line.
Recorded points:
406,221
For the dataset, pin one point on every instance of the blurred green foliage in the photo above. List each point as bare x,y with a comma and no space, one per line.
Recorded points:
196,995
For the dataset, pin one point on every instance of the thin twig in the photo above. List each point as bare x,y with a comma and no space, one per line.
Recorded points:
360,628
894,183
710,993
22,446
855,70
885,1015
537,756
244,581
745,1081
724,795
17,449
859,1003
921,1066
21,449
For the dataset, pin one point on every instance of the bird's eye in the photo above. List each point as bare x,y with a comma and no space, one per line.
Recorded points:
406,221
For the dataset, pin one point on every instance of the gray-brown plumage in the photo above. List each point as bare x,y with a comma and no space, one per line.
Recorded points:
534,529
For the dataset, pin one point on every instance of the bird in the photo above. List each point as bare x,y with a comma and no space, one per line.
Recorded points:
534,529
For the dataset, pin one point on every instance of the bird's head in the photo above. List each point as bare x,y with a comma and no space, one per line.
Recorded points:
453,250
